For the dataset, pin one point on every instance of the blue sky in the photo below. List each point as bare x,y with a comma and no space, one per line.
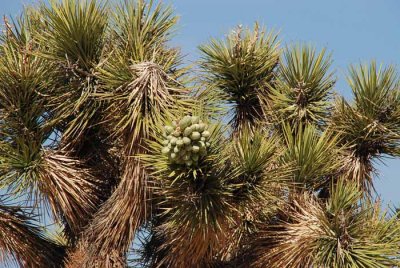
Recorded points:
354,31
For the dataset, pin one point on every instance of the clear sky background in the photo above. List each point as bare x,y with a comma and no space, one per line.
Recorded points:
354,31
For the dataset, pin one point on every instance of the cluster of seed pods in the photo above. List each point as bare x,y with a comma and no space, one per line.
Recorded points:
186,141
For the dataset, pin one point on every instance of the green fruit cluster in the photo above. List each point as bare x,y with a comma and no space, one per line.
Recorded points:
186,141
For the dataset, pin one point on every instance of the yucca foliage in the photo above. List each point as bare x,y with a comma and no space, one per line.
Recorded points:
249,160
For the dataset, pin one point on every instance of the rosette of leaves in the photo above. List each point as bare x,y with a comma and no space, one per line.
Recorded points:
30,158
72,38
370,125
261,185
241,69
303,86
192,204
186,141
339,231
316,156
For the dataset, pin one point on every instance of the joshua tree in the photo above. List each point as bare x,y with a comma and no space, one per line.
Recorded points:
249,160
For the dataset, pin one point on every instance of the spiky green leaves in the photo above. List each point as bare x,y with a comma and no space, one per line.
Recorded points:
24,80
71,37
142,102
104,94
370,126
255,151
75,33
187,142
193,203
304,84
337,233
195,215
375,90
241,67
315,156
142,31
137,82
260,184
261,177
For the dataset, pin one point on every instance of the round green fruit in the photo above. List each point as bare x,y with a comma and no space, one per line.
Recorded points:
195,119
185,122
186,140
165,150
195,127
173,141
176,133
195,136
201,127
187,131
179,142
206,134
169,129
